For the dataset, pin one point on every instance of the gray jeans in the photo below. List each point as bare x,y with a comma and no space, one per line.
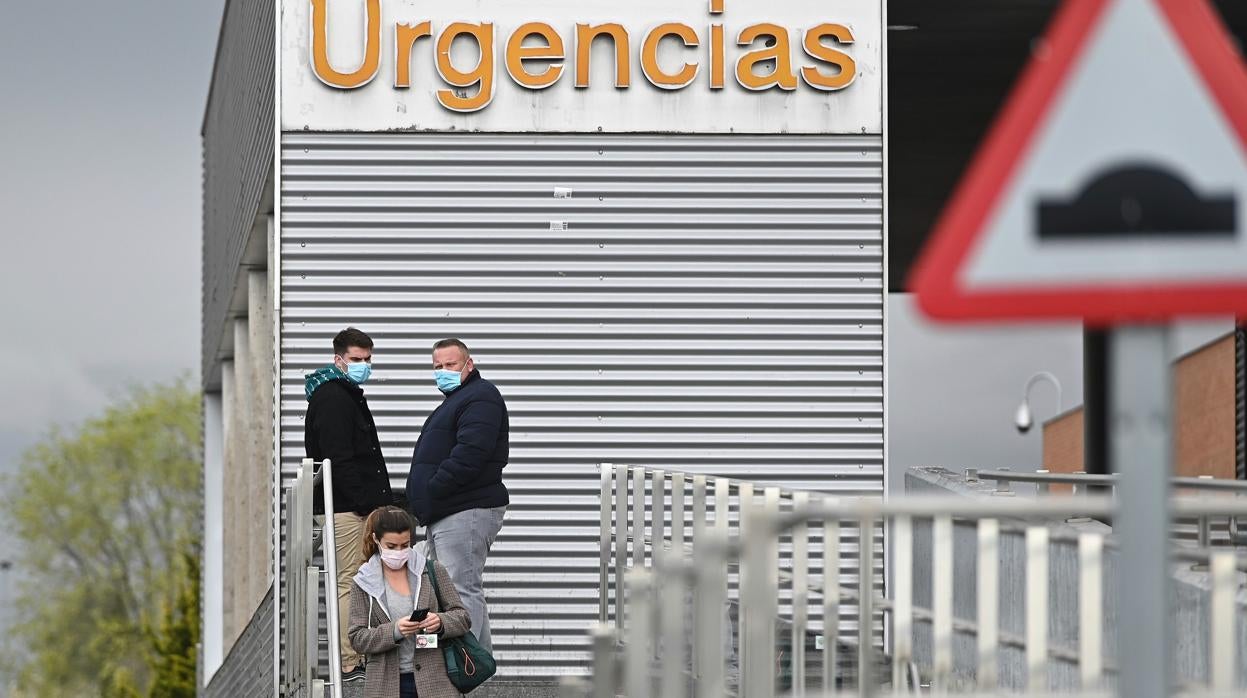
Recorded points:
461,543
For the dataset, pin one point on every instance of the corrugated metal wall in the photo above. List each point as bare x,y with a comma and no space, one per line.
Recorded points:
237,159
700,303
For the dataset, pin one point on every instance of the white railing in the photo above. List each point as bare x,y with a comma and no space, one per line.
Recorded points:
1199,531
648,512
303,582
654,619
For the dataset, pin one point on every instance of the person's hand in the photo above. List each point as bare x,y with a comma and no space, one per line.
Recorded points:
408,627
432,623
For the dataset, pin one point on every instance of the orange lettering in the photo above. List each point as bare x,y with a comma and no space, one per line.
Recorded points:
517,53
585,35
482,73
716,56
320,47
782,76
405,37
817,50
649,56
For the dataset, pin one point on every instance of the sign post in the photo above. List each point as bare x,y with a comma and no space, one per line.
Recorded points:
1142,448
1099,197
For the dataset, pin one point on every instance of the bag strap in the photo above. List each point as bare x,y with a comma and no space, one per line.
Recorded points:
432,571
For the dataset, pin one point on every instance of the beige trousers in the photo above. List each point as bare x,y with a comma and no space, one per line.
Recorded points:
348,531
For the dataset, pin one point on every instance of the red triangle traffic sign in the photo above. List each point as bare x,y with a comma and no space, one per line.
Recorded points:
1113,185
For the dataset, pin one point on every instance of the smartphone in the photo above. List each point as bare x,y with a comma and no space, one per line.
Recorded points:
418,615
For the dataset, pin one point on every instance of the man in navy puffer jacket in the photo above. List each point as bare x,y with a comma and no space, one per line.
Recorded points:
455,487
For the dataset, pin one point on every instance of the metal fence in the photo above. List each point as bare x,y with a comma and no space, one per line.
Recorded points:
302,583
668,634
649,512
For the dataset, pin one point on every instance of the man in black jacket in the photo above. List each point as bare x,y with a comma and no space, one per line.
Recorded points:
339,426
455,486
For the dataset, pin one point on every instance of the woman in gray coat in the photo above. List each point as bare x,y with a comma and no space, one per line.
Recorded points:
384,593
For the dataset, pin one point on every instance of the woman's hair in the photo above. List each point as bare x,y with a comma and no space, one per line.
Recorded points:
381,521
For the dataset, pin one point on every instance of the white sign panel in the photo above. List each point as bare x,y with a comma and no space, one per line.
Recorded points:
679,66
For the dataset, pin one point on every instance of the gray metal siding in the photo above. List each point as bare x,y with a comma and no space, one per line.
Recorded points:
237,157
707,304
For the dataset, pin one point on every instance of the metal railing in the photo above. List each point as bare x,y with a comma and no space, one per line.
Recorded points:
653,618
303,582
1200,530
649,512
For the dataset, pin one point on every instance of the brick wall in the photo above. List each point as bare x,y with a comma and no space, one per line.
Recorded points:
1205,429
1062,445
248,669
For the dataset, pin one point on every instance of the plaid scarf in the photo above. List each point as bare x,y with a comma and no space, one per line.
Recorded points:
319,377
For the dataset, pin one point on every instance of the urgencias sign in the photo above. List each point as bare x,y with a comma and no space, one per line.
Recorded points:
572,65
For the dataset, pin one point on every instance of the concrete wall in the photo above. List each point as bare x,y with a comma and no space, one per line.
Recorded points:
1191,597
248,669
248,463
1205,418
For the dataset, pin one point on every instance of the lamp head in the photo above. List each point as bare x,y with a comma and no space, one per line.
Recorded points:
1023,420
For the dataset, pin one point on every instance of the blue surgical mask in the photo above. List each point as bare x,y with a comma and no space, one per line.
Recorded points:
447,381
358,372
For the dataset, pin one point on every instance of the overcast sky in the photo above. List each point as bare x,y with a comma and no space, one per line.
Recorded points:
99,189
99,206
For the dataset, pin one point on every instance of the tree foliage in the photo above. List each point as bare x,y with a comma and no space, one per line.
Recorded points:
108,516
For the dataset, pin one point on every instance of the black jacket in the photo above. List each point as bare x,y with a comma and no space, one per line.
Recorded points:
339,427
463,447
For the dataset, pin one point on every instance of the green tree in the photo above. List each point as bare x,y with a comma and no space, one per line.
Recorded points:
108,516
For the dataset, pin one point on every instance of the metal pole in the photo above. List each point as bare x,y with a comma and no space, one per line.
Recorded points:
329,548
1090,622
1095,401
1141,448
800,592
621,542
604,540
865,612
605,664
988,603
831,601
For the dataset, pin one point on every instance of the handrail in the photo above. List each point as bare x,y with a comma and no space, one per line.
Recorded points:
329,550
1193,483
302,582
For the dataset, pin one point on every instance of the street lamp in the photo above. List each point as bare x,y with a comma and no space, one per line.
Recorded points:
1024,420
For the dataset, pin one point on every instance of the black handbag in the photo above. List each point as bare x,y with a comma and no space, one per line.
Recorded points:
467,663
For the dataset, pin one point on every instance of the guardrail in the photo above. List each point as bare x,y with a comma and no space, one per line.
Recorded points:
303,582
1083,482
654,660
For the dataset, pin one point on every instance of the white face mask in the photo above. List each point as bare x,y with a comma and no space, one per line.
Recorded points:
395,559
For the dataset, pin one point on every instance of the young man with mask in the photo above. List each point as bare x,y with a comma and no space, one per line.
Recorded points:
339,426
455,487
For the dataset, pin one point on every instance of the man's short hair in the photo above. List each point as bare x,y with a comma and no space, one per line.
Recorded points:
351,337
452,342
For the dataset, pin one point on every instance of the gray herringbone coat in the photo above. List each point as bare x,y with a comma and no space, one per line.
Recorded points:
372,634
